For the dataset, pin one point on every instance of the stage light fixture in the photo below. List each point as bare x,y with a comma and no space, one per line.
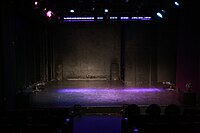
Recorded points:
124,18
72,11
99,18
119,11
106,10
36,3
67,120
49,14
135,130
113,18
176,3
160,14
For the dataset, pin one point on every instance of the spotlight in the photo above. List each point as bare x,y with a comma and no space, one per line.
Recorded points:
106,10
67,120
72,11
49,14
176,3
36,3
160,14
135,130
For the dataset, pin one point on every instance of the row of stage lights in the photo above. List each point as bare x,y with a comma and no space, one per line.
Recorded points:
72,17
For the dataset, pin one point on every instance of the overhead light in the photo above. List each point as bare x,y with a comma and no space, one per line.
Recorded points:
160,14
36,3
72,11
106,10
176,3
49,14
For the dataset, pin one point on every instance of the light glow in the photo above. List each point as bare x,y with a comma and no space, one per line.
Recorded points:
159,15
106,10
49,14
36,3
176,3
72,11
90,90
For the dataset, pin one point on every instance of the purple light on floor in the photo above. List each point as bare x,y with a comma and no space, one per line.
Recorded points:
142,89
88,90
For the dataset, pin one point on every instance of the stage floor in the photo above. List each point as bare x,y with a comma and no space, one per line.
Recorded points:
100,94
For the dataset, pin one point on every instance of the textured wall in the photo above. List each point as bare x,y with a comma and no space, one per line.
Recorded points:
143,52
87,50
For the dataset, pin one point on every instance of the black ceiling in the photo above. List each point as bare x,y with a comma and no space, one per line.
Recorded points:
61,8
96,7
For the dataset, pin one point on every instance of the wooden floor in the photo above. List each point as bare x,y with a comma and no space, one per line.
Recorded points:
100,94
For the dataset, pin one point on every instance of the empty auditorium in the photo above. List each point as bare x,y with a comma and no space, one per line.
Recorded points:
100,66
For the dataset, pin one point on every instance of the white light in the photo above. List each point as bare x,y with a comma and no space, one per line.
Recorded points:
106,10
125,18
159,15
79,18
113,17
36,3
99,17
163,11
72,11
176,3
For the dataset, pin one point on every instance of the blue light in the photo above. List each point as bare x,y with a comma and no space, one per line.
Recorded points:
126,118
135,130
67,120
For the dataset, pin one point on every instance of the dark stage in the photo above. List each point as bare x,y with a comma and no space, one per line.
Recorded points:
63,94
100,57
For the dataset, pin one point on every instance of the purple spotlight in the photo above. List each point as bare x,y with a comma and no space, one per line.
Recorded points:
49,14
135,130
67,120
126,118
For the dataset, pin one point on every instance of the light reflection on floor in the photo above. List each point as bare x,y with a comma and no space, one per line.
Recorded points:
100,94
84,90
